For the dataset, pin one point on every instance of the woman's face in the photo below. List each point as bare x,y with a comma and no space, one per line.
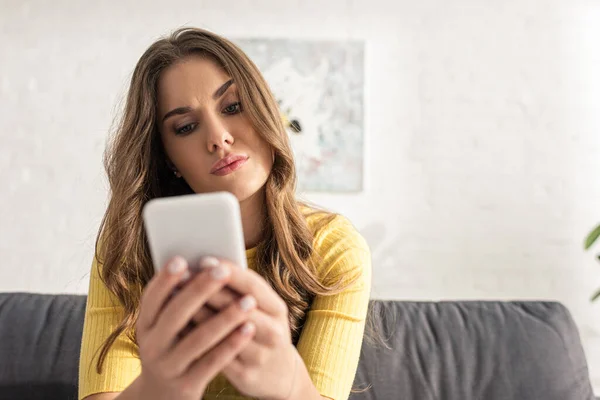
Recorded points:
205,133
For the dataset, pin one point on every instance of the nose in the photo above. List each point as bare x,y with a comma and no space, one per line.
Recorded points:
218,136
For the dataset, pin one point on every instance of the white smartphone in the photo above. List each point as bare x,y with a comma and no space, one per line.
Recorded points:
193,226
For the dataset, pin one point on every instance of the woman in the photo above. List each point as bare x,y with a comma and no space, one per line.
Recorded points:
289,327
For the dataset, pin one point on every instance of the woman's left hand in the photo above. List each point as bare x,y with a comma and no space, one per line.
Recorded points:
266,368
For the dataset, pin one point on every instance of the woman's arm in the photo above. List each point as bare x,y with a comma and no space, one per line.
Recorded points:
122,364
178,368
325,362
132,392
333,332
104,396
303,387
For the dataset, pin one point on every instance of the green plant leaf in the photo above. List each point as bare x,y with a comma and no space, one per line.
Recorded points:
596,295
592,237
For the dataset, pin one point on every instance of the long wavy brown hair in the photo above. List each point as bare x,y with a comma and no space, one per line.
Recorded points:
137,170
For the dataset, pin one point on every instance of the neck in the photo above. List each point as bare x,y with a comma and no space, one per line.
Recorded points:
253,218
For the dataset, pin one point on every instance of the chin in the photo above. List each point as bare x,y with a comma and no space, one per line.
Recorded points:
243,194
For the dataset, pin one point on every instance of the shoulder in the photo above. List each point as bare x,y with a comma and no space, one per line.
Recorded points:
339,248
334,230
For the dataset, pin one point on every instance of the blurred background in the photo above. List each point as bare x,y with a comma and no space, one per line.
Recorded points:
481,133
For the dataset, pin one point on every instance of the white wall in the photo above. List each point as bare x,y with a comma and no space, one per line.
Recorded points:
483,137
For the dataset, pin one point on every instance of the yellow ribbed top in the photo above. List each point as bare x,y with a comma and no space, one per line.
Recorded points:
329,343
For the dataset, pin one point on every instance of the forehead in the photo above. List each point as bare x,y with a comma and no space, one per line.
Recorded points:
192,80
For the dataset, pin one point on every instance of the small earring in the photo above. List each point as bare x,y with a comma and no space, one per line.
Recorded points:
176,173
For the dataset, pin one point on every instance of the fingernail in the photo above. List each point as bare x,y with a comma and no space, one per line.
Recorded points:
247,328
209,262
177,265
219,272
186,275
247,303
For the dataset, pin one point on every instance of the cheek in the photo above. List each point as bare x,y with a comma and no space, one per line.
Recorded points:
263,152
186,153
170,146
266,158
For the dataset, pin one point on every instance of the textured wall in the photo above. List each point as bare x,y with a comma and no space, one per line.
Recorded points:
483,137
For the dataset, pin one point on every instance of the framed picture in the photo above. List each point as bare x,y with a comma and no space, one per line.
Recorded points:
320,89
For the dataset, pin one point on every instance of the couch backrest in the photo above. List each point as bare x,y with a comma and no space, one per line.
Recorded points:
447,350
40,337
474,350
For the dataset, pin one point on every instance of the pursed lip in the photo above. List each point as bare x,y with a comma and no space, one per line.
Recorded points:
226,161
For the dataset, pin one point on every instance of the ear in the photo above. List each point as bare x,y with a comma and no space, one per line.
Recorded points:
172,167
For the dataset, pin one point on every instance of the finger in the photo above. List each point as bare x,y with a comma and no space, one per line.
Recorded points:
184,332
180,310
223,298
253,354
158,291
246,281
219,301
202,315
202,371
269,331
209,334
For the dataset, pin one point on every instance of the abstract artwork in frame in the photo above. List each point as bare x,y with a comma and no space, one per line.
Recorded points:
319,86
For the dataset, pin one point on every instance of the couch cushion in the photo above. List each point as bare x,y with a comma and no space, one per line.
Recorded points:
474,350
40,337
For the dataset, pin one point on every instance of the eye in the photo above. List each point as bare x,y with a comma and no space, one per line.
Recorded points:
233,108
185,129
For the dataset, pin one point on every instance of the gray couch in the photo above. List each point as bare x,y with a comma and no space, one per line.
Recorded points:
445,350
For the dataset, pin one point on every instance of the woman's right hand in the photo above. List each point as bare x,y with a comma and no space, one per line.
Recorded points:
180,367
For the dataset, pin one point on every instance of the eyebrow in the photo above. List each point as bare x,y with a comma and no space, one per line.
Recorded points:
184,110
220,91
